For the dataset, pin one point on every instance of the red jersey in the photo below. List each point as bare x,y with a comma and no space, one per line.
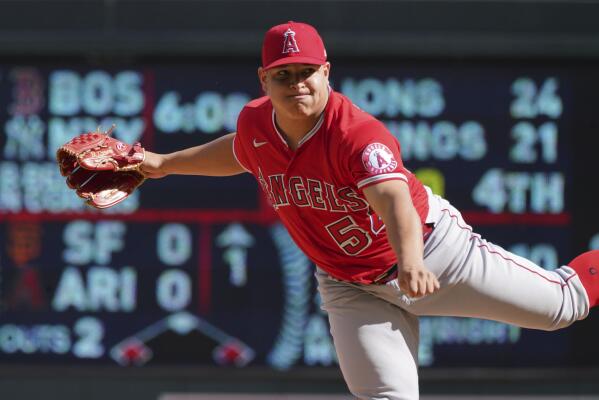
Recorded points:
317,190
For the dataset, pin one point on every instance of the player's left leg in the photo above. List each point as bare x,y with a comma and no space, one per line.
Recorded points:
480,279
586,266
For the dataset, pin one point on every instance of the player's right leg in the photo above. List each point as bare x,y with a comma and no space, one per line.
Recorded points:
376,342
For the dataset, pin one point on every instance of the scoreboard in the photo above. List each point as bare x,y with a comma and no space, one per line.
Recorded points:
198,271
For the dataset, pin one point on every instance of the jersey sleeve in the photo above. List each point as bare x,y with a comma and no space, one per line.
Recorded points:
240,143
374,155
240,154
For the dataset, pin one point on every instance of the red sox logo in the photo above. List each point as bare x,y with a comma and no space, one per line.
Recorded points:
290,45
377,159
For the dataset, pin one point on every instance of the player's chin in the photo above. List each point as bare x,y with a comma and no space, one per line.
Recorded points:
301,110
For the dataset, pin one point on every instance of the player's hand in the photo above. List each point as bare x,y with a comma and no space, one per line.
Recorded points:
417,281
152,165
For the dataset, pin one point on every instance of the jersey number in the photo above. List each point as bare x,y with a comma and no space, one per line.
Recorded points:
349,236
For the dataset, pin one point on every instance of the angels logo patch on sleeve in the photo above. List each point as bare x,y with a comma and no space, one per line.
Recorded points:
378,159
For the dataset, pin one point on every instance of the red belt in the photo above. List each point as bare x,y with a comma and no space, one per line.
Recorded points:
426,230
388,275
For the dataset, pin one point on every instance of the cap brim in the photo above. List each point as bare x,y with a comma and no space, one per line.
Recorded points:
296,60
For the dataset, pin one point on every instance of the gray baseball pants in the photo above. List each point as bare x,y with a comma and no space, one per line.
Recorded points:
375,327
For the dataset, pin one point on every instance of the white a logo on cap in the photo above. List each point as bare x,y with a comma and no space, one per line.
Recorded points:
290,45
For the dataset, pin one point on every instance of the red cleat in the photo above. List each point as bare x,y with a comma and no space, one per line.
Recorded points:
586,266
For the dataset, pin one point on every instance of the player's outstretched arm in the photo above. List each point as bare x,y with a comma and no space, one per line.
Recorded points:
215,158
391,200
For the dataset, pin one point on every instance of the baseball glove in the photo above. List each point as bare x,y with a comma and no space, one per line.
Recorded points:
102,170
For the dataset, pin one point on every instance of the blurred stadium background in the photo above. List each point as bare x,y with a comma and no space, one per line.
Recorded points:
190,290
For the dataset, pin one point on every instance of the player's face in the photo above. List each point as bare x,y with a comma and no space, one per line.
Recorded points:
297,91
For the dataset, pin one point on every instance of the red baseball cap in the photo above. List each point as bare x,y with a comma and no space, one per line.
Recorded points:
292,43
